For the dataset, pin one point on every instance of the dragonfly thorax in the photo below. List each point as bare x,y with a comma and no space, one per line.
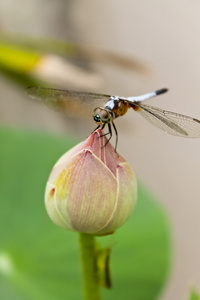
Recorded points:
117,106
102,116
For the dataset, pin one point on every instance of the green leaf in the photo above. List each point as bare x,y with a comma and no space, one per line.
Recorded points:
25,60
41,261
194,295
17,58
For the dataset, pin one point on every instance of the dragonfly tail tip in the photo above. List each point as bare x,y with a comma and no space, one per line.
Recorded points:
161,91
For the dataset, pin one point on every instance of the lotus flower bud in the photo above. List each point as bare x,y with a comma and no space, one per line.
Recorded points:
91,188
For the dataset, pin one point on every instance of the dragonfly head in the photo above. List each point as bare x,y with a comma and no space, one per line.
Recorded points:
101,116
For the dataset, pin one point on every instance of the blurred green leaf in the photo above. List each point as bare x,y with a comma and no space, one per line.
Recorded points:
17,58
41,45
26,63
74,51
194,295
41,261
44,61
16,62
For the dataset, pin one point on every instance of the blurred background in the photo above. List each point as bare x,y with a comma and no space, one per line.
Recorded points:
123,48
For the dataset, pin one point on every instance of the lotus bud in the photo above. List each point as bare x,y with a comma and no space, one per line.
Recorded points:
91,188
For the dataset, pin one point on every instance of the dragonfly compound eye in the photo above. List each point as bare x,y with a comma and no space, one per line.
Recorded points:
96,115
105,116
101,116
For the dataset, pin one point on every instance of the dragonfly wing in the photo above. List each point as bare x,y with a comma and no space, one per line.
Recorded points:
173,123
71,102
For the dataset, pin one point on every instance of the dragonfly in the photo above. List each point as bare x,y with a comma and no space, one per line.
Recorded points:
106,108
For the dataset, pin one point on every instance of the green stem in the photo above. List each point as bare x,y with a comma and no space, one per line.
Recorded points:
89,265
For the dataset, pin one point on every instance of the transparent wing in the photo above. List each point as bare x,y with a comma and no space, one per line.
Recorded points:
71,102
173,123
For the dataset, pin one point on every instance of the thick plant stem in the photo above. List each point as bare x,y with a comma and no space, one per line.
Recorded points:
89,265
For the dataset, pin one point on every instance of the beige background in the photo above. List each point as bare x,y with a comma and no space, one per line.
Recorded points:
166,36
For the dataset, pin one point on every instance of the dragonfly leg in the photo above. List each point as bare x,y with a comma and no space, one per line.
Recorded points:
95,129
110,132
104,133
116,133
102,127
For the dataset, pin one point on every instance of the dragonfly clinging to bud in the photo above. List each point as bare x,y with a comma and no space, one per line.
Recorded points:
107,108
